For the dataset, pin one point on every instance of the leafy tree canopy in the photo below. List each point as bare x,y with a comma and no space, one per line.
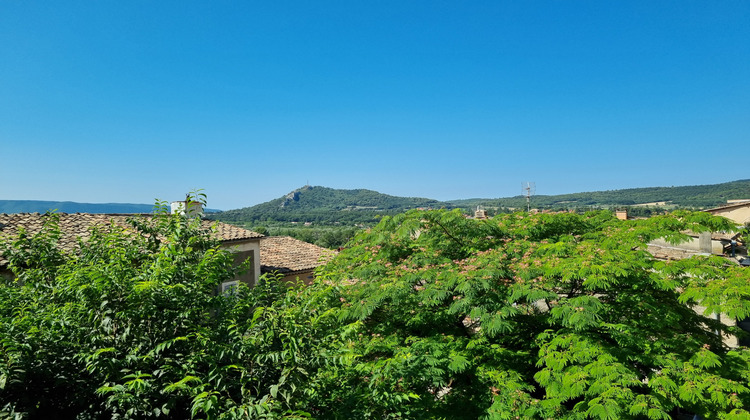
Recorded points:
427,315
132,325
533,316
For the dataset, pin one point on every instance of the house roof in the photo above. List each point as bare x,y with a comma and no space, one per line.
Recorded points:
730,206
287,255
78,225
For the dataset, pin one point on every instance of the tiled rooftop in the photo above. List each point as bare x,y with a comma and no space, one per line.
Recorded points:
728,206
287,255
78,225
226,232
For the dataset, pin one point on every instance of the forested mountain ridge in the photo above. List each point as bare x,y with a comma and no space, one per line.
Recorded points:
328,205
319,204
692,196
323,204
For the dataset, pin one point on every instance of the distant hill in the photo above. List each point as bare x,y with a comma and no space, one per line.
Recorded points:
694,196
329,205
326,205
35,206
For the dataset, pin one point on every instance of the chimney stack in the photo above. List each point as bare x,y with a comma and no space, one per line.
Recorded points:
191,208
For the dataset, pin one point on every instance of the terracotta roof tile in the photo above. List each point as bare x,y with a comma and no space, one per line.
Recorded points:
226,232
78,225
286,254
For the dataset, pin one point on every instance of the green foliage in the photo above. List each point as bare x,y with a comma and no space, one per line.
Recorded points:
694,196
532,316
328,206
131,326
323,205
426,315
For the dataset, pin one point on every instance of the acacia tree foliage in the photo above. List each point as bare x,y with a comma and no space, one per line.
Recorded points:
131,326
532,316
427,315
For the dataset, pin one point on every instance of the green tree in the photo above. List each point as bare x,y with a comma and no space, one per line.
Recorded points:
131,325
427,315
531,316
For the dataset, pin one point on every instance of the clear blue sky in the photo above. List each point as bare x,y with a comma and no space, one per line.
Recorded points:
128,101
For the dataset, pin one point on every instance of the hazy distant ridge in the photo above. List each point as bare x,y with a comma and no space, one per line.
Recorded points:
321,203
36,206
39,206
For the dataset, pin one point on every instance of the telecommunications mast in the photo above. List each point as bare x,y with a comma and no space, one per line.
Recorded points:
528,188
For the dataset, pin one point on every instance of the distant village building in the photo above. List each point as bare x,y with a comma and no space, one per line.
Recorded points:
699,243
737,211
717,243
480,213
707,243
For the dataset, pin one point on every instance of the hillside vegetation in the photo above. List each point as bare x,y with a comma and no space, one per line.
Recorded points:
321,205
327,205
427,315
693,196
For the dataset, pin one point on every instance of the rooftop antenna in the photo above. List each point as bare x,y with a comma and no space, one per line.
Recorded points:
528,188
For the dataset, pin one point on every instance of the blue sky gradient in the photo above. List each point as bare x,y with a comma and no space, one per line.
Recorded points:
130,101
